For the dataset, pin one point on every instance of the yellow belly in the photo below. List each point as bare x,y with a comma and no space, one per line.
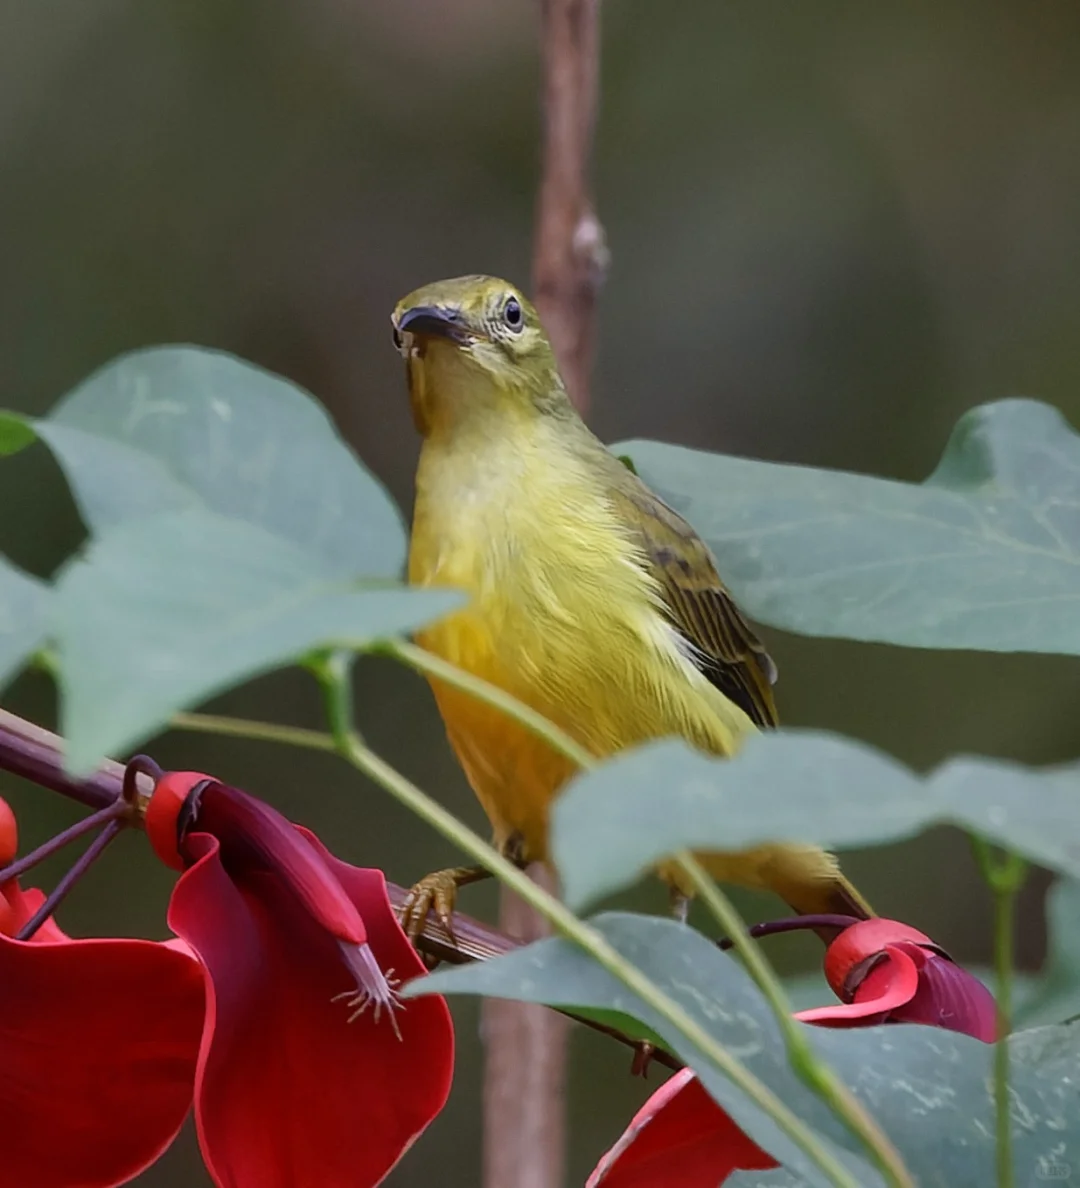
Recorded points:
595,674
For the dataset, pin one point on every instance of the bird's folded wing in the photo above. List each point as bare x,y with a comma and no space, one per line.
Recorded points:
725,647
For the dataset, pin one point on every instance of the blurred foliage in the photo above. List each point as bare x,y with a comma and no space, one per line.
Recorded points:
834,228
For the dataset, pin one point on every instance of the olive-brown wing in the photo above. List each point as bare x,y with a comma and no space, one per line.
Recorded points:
700,606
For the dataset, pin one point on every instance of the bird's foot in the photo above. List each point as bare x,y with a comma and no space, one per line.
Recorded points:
437,892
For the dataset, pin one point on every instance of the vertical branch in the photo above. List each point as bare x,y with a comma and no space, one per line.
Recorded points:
569,254
526,1046
524,1073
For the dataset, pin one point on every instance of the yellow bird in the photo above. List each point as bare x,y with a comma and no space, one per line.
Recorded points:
590,599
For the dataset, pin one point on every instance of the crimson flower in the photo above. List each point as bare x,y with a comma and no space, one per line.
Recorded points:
277,1008
887,972
98,1044
883,972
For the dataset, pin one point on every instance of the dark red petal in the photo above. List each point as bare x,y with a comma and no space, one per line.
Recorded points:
9,834
257,836
98,1041
680,1138
948,996
891,983
289,1092
18,906
857,945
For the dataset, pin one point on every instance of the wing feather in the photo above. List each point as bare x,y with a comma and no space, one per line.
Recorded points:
698,603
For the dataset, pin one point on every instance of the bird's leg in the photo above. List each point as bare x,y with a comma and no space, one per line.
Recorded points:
438,891
680,905
643,1051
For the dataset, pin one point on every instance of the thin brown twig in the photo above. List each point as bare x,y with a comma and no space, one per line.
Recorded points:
526,1046
36,754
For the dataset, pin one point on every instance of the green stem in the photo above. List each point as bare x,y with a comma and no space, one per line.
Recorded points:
295,736
814,1072
431,665
1005,877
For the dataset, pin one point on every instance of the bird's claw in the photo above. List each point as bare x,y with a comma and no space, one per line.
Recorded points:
436,893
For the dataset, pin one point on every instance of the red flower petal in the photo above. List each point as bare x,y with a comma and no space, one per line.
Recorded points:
680,1138
9,834
850,955
98,1040
891,983
255,836
948,996
16,909
289,1092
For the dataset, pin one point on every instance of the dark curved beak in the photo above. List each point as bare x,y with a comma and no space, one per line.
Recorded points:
436,320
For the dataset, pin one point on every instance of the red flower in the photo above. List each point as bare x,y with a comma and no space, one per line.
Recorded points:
680,1136
305,1069
884,971
887,972
98,1040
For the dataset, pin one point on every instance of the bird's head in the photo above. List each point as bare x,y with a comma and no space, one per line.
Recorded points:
474,345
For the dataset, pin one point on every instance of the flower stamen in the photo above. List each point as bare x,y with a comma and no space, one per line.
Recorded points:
372,986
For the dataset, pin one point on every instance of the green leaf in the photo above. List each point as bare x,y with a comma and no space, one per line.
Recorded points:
777,1178
164,611
929,1088
985,554
614,823
23,604
16,433
1056,995
709,984
172,428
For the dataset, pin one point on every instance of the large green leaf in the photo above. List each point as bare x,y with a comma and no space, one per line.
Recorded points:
985,554
23,602
929,1089
164,611
171,428
709,984
613,823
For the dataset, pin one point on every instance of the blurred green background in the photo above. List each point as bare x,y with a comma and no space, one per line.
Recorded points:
834,227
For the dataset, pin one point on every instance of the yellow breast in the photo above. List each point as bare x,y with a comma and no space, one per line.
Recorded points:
563,614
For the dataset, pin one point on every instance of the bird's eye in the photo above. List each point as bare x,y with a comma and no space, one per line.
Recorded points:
512,313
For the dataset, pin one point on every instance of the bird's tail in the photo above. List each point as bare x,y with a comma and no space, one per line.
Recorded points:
824,892
845,900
